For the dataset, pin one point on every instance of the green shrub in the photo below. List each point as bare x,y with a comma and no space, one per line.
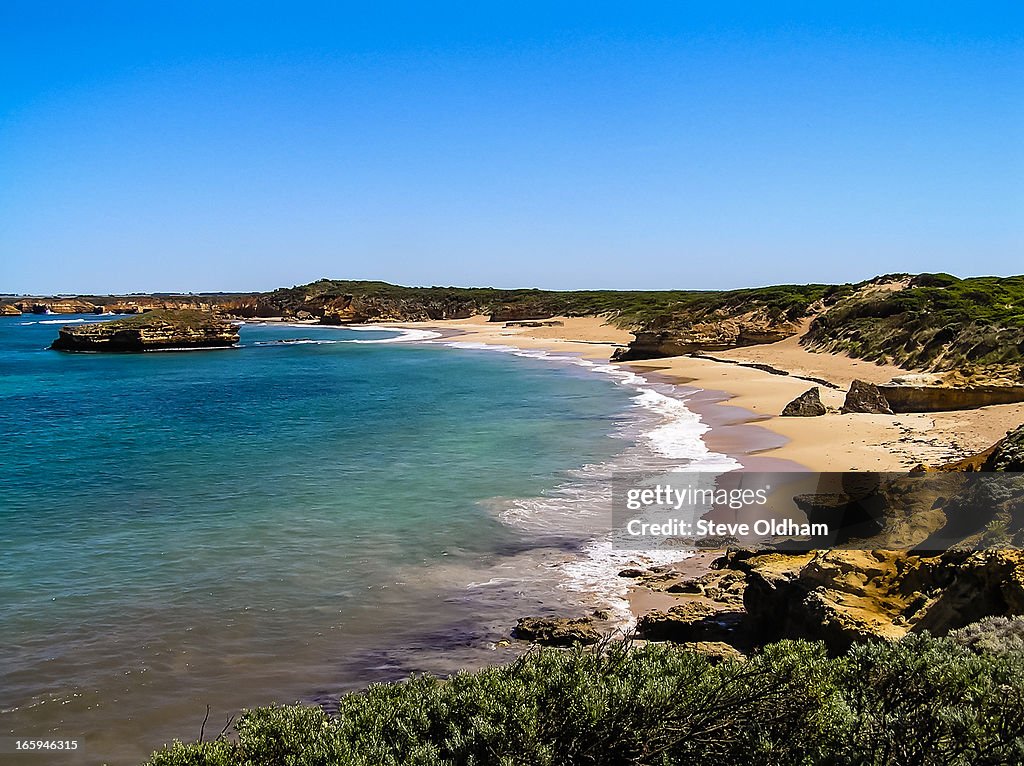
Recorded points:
916,702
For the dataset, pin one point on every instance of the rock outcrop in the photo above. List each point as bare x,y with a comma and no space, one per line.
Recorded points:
7,309
1008,453
717,331
840,597
866,397
955,391
807,405
154,330
557,631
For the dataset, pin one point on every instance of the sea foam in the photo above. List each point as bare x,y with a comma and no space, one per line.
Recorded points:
664,435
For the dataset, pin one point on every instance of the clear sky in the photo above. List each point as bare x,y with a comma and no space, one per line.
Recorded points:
244,146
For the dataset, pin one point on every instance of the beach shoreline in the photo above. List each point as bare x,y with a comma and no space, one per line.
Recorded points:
741,406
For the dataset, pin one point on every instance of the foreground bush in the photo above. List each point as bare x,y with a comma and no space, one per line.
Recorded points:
918,702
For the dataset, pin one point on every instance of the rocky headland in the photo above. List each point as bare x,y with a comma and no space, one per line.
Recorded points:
161,329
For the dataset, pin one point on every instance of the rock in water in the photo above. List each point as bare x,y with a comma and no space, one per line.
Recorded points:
557,631
807,405
154,330
866,397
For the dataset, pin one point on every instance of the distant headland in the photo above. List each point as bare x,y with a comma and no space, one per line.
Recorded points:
957,334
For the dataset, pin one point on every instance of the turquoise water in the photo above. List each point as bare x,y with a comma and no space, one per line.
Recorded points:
276,522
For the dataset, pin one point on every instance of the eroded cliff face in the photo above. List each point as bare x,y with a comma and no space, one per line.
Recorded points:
113,305
717,331
958,390
352,309
56,306
155,330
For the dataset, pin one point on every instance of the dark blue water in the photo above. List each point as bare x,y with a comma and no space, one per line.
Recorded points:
269,523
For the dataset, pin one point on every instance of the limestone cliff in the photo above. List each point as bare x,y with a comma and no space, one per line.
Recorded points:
154,330
956,390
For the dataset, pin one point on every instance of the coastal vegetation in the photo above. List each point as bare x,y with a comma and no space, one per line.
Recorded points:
627,308
929,321
934,322
955,701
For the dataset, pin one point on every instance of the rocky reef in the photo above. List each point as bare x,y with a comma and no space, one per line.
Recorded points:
558,631
154,330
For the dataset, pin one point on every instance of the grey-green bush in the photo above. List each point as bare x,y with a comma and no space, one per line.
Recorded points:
917,702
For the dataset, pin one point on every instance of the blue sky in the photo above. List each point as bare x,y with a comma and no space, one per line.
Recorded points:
245,146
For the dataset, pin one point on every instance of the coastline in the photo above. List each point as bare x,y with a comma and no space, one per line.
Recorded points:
741,406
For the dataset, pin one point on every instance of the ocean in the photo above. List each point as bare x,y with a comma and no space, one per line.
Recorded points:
315,510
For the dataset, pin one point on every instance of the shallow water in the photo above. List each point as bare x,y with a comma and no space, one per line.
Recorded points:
284,521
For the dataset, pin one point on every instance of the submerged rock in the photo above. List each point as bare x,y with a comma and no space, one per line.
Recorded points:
154,330
807,405
866,397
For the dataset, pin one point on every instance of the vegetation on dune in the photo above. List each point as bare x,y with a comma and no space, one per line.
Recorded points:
939,322
919,701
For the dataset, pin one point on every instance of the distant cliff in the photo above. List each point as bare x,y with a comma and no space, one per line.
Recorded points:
154,330
933,322
339,301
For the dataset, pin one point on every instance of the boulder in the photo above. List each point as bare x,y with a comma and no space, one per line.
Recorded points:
557,631
866,397
692,621
807,405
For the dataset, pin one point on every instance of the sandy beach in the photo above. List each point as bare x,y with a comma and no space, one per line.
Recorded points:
742,407
742,404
